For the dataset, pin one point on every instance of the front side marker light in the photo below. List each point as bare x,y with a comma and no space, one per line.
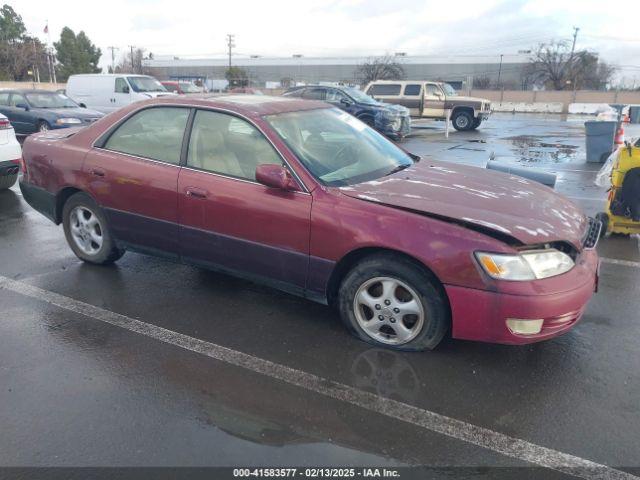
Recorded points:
525,327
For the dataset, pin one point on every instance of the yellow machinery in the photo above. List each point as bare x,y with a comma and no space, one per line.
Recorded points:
623,204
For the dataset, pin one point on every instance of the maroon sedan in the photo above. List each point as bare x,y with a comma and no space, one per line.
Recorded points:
310,200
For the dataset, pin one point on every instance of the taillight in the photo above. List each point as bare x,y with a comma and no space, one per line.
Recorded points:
4,124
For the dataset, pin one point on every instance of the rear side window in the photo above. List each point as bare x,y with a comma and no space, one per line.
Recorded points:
384,89
154,133
412,89
170,87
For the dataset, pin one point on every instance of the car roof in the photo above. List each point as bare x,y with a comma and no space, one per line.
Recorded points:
26,90
248,105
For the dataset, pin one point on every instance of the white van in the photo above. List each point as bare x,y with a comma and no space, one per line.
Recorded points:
109,92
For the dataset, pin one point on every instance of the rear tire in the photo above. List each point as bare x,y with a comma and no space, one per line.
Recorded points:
462,121
7,181
389,301
87,231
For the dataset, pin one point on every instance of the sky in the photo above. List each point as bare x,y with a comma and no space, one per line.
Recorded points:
325,28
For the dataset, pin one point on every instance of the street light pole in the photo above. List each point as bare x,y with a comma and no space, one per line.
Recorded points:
500,70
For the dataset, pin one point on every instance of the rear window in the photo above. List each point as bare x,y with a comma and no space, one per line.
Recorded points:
412,89
384,89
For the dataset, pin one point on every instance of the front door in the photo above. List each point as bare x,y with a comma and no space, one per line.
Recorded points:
433,101
230,221
121,96
134,177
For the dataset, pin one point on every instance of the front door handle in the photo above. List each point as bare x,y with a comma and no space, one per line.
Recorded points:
196,192
98,172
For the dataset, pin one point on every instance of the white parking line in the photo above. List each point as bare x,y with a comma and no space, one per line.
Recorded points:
466,432
615,261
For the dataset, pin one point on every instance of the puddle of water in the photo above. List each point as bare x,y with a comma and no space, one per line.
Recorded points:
535,149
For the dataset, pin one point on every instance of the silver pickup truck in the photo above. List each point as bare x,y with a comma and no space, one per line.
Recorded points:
426,99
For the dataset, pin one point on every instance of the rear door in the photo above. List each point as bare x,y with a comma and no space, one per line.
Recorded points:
229,220
433,101
133,175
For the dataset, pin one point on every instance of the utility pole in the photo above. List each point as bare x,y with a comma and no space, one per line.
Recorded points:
230,45
113,58
575,36
133,66
36,72
500,70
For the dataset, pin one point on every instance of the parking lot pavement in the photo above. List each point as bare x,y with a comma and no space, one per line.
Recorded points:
154,363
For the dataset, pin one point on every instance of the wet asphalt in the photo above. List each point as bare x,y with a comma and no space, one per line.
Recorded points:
75,391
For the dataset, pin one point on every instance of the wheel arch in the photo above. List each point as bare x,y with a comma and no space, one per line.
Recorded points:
348,261
61,198
463,108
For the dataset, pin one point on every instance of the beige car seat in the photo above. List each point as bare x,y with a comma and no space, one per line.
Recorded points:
211,154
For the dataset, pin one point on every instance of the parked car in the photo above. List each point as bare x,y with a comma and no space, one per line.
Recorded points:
32,111
389,120
109,92
10,154
247,90
432,100
181,88
306,198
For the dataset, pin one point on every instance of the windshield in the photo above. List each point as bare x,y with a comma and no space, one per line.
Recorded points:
50,100
190,88
145,84
360,97
337,148
448,90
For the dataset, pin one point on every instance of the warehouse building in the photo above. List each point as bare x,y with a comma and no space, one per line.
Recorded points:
459,70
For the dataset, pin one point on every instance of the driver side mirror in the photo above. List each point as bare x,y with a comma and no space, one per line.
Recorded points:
24,106
275,176
346,102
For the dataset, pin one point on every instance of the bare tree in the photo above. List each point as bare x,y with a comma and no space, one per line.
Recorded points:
125,65
555,66
482,83
380,68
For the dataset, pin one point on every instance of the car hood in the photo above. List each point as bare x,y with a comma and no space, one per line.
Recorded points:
74,112
513,206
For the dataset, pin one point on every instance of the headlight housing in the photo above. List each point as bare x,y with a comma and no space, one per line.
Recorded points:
68,121
529,265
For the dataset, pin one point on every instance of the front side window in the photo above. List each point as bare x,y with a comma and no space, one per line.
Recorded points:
17,99
4,98
154,133
228,145
432,90
337,148
315,94
121,86
335,96
171,87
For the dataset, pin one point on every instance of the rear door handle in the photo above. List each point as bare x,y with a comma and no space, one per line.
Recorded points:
98,172
196,192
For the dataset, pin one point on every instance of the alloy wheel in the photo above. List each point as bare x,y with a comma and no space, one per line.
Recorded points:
86,230
389,311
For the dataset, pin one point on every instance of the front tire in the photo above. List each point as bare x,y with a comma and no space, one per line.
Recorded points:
389,301
462,121
476,123
43,126
7,181
87,231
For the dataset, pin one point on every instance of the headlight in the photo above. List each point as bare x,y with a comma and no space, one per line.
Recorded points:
68,121
533,265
